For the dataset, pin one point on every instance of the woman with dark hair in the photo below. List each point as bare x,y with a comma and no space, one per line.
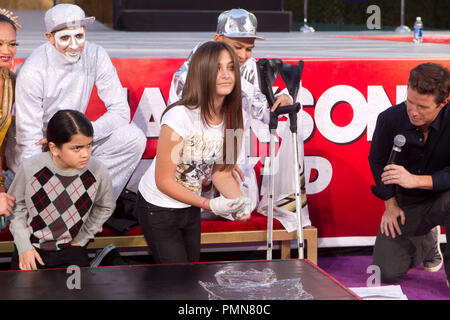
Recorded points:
199,140
63,197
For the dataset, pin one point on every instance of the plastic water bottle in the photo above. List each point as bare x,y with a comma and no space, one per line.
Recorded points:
418,27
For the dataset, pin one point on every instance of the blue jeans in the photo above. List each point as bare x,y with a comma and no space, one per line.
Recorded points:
173,235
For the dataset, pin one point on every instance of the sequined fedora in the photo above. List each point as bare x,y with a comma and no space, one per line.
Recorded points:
237,23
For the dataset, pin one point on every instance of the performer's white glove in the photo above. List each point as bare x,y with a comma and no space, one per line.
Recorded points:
244,212
222,206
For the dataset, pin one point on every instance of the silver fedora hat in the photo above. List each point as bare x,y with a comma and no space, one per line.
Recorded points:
237,23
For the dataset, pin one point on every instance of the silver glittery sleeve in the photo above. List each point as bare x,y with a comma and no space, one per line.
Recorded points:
254,102
113,95
176,87
179,79
249,71
30,126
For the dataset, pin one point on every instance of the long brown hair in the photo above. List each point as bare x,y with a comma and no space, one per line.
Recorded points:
199,90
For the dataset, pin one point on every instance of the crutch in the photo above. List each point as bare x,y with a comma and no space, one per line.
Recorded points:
291,76
268,73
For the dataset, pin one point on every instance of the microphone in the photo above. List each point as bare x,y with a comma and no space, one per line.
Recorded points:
399,142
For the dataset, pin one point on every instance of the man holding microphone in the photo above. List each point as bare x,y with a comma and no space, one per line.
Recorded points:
416,188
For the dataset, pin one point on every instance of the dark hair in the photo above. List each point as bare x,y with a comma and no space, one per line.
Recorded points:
5,19
66,123
431,78
199,90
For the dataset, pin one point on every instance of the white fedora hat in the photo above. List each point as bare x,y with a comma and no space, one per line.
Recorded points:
65,16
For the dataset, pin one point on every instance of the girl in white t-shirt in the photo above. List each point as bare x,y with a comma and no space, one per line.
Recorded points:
199,140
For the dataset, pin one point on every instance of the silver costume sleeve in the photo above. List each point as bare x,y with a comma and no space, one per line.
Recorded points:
176,87
179,78
254,102
29,113
113,95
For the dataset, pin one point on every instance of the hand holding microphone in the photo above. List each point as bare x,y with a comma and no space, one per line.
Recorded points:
397,174
390,174
399,142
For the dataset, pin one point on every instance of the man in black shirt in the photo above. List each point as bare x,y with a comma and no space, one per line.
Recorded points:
416,189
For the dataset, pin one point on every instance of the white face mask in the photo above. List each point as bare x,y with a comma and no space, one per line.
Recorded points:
70,42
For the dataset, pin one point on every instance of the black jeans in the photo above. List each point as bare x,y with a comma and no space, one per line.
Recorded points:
173,235
70,255
395,256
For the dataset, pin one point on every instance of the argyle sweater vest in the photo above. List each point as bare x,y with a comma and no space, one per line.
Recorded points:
54,207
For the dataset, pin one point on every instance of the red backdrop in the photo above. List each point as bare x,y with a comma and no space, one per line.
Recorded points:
342,98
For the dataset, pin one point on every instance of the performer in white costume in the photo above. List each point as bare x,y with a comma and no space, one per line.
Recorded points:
61,74
237,27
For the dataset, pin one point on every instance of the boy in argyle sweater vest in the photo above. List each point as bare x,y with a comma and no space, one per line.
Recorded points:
63,197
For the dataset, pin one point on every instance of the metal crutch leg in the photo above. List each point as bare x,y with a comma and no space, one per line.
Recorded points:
268,72
271,190
292,111
270,198
298,197
291,76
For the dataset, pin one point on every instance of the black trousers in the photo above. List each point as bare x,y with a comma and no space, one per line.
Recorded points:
173,235
395,256
68,256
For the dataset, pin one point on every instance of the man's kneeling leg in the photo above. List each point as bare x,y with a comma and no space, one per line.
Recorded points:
394,257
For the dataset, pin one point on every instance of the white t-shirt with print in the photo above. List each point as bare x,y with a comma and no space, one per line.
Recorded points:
201,148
